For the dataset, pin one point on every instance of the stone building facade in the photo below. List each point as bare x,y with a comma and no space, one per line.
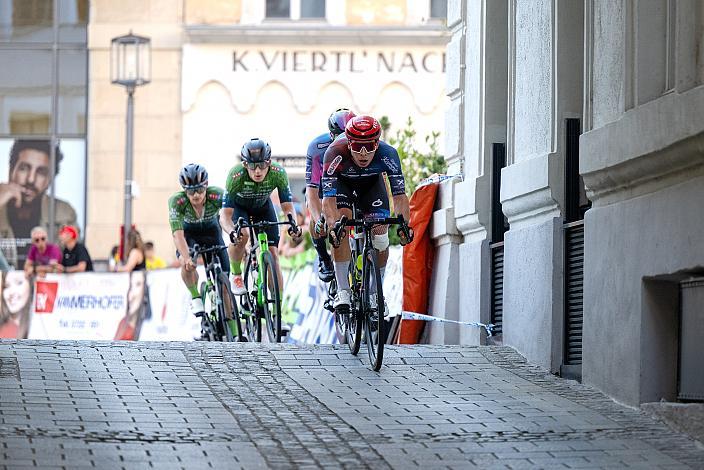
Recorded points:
582,150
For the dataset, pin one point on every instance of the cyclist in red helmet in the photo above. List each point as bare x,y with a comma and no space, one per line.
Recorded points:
353,169
314,196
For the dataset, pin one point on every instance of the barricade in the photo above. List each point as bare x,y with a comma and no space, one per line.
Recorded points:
153,305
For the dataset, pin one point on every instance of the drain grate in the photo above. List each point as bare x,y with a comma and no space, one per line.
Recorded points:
9,369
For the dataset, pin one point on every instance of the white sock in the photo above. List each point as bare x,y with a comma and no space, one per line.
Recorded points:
341,270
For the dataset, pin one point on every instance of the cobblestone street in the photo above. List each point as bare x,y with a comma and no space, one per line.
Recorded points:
195,405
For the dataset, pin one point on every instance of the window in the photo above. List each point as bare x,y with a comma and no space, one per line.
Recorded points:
295,9
438,9
312,8
278,8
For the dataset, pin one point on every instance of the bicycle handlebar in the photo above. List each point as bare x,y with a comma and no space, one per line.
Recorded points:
366,223
262,224
196,250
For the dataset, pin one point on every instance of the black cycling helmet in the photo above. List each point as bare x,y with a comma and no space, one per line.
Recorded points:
193,176
256,151
338,120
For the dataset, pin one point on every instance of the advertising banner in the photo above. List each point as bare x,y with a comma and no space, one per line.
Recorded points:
154,305
25,180
84,306
169,302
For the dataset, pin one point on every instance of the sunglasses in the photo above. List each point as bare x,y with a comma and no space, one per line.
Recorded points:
193,191
254,166
39,239
369,146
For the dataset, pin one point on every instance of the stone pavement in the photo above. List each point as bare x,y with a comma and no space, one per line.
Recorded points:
195,405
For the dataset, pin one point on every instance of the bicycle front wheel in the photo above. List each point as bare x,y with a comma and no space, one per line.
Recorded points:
373,308
228,314
271,307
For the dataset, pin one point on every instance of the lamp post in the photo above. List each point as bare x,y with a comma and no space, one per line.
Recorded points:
130,66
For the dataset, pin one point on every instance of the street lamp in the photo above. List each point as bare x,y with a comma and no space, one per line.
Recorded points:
130,66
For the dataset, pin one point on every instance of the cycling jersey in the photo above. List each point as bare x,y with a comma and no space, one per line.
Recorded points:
242,191
338,164
314,159
182,216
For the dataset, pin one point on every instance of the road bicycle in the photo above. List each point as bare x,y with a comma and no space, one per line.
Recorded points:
220,320
261,303
367,307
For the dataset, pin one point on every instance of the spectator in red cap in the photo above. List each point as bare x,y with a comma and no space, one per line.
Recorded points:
75,257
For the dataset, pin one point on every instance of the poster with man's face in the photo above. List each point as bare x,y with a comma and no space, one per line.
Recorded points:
25,180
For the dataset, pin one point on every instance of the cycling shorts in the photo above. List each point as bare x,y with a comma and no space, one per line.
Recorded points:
259,214
205,238
368,194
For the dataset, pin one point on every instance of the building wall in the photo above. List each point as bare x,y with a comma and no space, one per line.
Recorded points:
157,123
633,72
642,163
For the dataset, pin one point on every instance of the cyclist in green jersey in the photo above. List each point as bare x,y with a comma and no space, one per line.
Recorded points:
193,216
248,195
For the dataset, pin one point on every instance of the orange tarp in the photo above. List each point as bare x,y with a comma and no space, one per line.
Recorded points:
418,263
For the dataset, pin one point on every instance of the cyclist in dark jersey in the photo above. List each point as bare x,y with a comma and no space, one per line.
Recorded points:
353,169
193,216
314,196
248,194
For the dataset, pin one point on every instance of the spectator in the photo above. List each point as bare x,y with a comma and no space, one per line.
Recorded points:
288,247
136,260
153,261
43,257
75,257
16,301
114,258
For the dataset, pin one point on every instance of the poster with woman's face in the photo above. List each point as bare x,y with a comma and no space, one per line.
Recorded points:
16,303
129,327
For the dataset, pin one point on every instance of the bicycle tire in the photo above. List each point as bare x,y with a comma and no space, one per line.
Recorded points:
353,327
373,314
227,310
271,308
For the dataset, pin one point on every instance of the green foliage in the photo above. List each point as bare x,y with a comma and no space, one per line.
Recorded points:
416,165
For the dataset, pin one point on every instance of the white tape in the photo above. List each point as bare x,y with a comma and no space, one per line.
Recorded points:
406,315
438,179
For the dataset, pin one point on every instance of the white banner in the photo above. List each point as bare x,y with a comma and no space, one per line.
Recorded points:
84,306
169,300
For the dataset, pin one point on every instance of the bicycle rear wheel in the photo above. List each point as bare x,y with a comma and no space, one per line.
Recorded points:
271,307
340,325
227,311
373,308
207,328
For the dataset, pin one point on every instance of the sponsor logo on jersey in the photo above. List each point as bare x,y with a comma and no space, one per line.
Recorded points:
390,164
249,183
324,145
327,185
334,164
377,203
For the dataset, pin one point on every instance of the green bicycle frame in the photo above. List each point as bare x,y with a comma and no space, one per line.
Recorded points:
263,248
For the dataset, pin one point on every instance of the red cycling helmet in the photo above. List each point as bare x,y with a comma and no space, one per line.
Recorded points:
363,129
